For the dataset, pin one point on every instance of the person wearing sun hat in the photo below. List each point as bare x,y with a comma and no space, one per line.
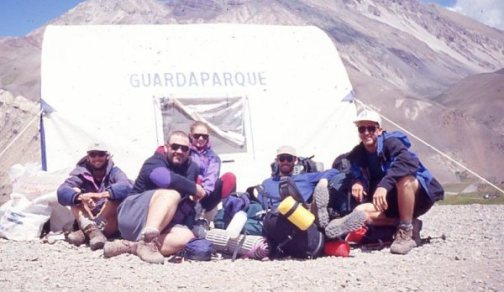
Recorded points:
93,190
391,182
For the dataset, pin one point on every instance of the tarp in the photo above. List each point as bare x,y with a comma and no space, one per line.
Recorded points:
287,85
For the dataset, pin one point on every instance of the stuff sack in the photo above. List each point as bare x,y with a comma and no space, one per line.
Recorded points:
285,239
253,225
198,249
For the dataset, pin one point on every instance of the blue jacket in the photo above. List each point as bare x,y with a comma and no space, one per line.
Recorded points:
305,182
158,173
115,182
209,166
396,161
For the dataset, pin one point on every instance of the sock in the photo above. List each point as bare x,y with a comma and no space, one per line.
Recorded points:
405,225
84,222
149,233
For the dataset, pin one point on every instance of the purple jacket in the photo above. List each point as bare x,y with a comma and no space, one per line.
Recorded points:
115,182
209,166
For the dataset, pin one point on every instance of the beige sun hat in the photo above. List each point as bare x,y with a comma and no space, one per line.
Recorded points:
286,149
368,115
97,146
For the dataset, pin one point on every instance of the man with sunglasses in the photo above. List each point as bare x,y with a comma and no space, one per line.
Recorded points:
391,182
286,160
93,191
152,218
209,163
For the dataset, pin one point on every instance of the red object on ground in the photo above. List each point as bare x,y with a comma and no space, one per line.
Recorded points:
338,248
357,235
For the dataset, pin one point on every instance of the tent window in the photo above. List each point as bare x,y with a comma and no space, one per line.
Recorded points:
224,116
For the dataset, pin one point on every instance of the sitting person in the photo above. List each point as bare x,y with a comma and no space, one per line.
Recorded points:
286,159
209,168
401,188
94,190
153,218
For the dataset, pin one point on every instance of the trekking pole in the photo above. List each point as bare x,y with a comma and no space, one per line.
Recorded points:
428,239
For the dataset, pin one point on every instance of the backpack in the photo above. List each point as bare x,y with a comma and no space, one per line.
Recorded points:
285,238
255,214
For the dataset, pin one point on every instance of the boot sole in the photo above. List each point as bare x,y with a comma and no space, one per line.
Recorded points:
321,198
342,226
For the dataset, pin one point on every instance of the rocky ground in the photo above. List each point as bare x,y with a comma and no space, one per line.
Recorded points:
471,258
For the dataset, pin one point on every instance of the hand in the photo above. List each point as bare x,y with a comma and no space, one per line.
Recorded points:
200,193
380,199
358,191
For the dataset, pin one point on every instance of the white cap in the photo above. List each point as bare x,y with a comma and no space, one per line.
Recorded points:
286,149
97,146
368,115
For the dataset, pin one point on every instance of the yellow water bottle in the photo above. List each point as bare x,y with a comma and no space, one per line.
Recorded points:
296,213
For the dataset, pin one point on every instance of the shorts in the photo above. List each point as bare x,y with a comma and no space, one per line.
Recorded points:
132,215
423,203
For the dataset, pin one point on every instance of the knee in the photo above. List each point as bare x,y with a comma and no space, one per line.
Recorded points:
164,196
407,183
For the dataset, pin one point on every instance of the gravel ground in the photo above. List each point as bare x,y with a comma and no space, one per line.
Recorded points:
471,259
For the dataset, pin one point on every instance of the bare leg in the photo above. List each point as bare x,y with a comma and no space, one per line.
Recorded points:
175,240
162,208
407,188
376,217
109,214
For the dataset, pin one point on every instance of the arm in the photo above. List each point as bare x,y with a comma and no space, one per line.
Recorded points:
68,192
164,178
212,172
402,163
120,186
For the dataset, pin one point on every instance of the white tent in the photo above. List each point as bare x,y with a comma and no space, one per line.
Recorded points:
258,86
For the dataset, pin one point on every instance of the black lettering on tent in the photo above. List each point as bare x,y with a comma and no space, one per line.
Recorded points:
181,79
227,77
134,82
204,78
216,80
240,78
262,78
146,80
192,79
251,78
168,79
156,80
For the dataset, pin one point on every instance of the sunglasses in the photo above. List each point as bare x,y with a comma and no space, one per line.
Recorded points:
197,136
176,147
93,154
283,158
370,129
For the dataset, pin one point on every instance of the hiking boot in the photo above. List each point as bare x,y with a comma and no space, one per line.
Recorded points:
117,247
96,238
403,241
320,204
148,250
76,238
341,226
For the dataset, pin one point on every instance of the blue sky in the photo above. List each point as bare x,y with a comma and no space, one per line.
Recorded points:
19,17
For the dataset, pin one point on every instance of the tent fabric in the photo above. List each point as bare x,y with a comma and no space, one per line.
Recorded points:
107,82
